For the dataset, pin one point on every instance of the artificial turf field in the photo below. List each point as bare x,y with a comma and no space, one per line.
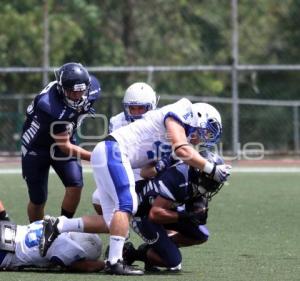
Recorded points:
254,224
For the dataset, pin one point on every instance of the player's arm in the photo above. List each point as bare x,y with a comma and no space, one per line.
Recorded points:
86,266
161,211
180,145
190,156
63,142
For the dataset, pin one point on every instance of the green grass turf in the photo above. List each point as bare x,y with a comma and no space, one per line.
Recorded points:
254,223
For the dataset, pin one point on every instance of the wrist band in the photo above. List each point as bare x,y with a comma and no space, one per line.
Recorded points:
177,147
208,167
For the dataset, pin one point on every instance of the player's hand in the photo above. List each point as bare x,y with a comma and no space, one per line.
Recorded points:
221,172
197,210
196,218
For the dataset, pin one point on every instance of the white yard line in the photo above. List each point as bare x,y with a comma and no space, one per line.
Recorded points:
234,170
266,170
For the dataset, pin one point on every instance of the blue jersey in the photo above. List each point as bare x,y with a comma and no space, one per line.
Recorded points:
173,184
49,107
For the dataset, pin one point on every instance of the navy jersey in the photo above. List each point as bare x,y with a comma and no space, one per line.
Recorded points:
175,185
49,107
172,185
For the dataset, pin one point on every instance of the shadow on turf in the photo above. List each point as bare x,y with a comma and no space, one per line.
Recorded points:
60,270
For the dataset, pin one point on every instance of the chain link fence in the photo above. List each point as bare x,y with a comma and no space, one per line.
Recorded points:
264,124
230,56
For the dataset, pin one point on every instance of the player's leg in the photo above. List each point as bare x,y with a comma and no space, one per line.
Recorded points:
158,250
88,224
35,211
96,202
35,170
70,201
53,226
116,186
70,173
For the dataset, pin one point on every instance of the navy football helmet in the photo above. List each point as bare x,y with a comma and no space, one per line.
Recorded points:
203,184
73,77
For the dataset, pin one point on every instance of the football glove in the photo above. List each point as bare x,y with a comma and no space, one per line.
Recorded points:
219,173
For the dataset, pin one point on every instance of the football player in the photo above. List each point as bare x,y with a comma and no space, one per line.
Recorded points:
71,251
173,126
48,137
172,213
138,99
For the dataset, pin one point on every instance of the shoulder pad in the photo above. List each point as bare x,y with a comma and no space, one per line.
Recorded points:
50,102
95,89
117,121
182,112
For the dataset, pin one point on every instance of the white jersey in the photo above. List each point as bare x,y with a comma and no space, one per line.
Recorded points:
145,140
117,122
27,253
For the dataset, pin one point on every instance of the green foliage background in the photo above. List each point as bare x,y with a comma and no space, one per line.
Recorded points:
172,33
132,32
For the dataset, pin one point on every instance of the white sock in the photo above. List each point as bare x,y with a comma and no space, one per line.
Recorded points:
116,244
66,225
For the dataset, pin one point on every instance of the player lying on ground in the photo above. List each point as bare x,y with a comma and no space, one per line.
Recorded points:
71,251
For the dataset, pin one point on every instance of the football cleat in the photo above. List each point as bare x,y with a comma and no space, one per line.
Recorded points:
120,268
49,234
129,253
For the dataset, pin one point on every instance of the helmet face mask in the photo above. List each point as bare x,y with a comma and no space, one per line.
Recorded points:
138,99
202,184
210,132
73,82
75,103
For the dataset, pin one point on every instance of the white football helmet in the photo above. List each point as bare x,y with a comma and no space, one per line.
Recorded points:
207,120
140,94
90,242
